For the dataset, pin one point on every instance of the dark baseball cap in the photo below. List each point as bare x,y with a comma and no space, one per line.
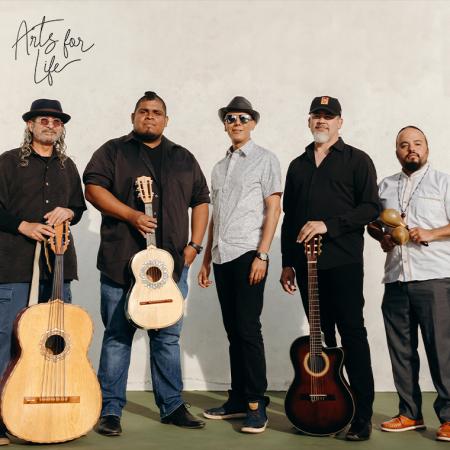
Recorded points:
326,103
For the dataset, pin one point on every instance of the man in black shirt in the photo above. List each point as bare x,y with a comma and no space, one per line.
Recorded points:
178,184
39,187
331,190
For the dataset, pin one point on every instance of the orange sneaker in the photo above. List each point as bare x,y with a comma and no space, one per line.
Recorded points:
402,423
443,434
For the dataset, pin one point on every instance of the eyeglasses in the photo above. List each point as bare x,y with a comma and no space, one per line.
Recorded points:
243,118
46,121
323,116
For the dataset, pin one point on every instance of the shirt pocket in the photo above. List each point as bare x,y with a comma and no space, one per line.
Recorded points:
429,210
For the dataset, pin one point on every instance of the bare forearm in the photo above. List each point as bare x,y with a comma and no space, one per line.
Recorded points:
272,214
108,204
441,233
208,249
199,222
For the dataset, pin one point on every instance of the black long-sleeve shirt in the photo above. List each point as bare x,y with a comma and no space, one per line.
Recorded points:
342,192
28,193
179,186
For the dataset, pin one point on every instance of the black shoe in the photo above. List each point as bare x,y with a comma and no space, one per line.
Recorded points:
256,420
4,440
181,417
360,430
109,426
234,408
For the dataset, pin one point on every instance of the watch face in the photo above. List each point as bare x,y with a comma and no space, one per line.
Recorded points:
262,256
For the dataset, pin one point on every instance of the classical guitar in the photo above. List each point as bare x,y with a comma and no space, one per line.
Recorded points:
319,401
50,392
154,300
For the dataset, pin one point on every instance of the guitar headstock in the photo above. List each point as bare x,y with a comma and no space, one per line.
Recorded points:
60,241
144,189
313,248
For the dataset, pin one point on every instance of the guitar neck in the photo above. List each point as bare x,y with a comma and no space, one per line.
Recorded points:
150,237
315,334
58,278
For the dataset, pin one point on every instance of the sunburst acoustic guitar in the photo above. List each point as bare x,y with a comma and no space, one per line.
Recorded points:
319,401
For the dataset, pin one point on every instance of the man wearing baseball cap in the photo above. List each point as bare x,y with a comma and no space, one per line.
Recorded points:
331,190
246,187
39,188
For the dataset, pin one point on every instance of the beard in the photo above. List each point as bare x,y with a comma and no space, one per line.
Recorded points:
412,166
147,137
320,137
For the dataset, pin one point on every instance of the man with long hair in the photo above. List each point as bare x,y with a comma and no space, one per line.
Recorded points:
39,188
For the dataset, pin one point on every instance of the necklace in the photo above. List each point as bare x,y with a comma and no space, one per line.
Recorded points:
400,201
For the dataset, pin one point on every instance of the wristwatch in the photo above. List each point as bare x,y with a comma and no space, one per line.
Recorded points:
262,256
198,248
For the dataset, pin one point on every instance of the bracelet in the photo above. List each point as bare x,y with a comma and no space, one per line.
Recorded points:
198,248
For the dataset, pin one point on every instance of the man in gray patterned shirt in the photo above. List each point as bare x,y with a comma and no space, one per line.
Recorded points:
246,191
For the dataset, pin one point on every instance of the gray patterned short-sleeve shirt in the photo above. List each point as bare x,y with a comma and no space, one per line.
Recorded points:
240,183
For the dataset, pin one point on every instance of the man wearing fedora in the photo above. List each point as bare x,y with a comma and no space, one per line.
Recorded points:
246,191
39,188
331,190
178,184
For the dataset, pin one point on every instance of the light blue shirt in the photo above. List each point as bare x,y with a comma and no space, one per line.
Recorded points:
240,183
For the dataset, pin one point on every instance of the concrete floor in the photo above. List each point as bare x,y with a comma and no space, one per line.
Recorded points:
143,430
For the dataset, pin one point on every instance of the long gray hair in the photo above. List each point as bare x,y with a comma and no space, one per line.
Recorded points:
26,148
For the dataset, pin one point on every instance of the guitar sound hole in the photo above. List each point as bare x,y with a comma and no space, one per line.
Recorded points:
316,363
154,274
55,344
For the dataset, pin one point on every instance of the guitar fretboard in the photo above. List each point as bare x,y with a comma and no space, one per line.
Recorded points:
315,334
150,237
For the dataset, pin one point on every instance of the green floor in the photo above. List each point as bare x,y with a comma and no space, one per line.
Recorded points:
142,429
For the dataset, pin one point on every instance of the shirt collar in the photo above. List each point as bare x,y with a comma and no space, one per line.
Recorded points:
132,137
338,145
245,150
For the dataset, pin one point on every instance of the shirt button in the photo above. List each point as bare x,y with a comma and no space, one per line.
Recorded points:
46,201
46,183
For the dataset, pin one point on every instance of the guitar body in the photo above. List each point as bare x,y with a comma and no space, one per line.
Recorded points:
319,401
154,300
51,393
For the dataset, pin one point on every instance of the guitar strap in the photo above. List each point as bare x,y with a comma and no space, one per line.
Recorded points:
34,288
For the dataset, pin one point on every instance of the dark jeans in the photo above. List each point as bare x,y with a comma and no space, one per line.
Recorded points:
115,356
341,304
241,306
406,307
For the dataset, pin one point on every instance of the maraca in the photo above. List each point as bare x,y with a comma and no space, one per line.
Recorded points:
392,218
400,235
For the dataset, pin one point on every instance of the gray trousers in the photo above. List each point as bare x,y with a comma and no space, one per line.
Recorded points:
406,307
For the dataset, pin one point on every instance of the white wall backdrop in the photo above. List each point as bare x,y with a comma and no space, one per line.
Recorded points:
387,61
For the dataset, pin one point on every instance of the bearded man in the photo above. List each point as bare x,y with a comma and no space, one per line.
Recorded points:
417,282
331,191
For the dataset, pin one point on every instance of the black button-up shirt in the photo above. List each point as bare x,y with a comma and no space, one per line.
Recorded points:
115,167
342,192
28,193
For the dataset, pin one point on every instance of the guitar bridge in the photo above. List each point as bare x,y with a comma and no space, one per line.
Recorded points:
155,302
56,399
317,397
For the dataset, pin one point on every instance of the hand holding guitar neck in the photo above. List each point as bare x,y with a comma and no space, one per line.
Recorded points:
400,234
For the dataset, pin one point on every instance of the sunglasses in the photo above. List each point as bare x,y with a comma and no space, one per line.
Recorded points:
46,121
232,118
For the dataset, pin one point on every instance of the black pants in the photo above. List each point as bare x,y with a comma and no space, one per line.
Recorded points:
341,304
241,306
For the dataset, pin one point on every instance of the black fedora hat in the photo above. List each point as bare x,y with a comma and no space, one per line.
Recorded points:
239,104
45,107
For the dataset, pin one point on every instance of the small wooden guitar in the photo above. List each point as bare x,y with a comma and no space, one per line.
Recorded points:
154,300
51,393
319,401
